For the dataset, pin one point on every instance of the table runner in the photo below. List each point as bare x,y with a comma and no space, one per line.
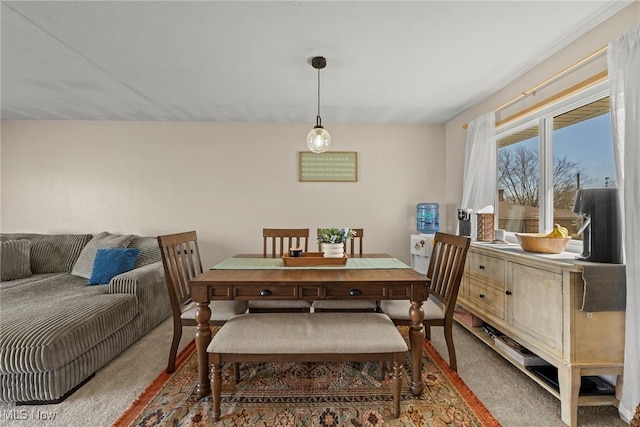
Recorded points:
276,263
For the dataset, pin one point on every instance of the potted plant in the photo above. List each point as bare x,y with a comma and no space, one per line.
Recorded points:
333,241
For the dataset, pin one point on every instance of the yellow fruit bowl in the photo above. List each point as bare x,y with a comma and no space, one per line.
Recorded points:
535,242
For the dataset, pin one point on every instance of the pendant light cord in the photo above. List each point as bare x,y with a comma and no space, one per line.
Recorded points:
318,119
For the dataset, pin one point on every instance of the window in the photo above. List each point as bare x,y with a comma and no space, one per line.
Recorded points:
544,159
518,181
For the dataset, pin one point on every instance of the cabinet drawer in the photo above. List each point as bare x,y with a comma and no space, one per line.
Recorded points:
355,291
486,267
266,292
486,297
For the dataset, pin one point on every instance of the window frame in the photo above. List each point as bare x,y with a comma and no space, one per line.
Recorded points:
543,119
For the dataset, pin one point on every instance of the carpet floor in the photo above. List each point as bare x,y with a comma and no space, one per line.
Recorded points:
310,394
511,397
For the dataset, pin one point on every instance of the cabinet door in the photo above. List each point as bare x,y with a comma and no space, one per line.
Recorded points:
534,304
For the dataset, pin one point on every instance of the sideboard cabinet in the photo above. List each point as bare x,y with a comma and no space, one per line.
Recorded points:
536,300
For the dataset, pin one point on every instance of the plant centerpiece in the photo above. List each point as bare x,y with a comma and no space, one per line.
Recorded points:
333,241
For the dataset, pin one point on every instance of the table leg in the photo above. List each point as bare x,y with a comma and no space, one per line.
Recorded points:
569,379
416,339
203,338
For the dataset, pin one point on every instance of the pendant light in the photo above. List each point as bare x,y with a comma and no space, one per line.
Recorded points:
318,140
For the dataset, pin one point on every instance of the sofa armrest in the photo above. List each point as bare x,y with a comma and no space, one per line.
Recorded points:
133,281
148,285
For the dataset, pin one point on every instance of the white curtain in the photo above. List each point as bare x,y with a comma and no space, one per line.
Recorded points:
479,185
623,57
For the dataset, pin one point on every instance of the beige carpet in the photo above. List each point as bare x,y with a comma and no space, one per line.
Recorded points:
512,398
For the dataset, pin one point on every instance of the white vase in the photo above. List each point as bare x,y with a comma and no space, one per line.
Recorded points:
333,250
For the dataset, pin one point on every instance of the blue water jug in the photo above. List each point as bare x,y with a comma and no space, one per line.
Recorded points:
427,218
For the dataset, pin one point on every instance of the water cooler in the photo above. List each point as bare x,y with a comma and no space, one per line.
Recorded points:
421,246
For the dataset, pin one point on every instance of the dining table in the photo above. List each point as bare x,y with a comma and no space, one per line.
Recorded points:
254,277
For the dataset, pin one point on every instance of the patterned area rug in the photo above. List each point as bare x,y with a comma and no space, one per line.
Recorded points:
309,394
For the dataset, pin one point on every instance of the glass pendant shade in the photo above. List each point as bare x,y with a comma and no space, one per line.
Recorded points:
318,140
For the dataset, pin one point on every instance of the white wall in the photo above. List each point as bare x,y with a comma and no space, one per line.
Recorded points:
225,180
595,39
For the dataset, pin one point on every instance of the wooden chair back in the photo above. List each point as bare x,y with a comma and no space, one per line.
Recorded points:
181,260
278,240
354,246
446,268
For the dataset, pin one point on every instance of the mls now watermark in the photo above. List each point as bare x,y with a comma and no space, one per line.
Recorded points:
24,415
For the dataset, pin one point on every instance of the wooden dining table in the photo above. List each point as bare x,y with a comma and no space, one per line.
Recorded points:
253,277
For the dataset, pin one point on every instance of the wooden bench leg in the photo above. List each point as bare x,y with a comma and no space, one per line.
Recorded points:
397,382
236,372
216,385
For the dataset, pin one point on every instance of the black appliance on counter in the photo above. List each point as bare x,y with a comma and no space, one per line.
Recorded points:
601,226
464,222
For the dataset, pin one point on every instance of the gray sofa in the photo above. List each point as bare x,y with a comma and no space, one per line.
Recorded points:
56,331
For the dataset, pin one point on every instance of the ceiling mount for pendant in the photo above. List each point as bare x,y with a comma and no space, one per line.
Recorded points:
318,62
318,140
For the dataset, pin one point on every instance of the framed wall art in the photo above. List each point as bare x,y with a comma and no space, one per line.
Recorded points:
335,166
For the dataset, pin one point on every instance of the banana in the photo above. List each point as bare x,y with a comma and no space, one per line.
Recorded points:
558,232
565,232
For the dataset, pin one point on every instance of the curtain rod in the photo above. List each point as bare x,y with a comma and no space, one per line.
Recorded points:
554,77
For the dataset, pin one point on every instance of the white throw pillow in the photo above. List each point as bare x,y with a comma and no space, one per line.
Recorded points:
84,264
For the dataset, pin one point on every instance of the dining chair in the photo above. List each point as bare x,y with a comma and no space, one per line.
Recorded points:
275,242
352,248
445,271
181,260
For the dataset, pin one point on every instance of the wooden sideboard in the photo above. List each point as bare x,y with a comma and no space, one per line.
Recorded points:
536,301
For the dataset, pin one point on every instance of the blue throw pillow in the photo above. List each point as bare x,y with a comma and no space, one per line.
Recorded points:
110,262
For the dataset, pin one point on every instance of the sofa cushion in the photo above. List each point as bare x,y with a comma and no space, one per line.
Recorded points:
52,253
15,259
149,250
84,264
110,262
53,321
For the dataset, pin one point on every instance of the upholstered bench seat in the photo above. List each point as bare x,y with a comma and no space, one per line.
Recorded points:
307,337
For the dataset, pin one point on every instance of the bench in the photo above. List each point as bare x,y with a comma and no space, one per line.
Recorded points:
306,337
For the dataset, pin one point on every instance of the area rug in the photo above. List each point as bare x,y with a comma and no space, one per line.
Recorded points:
309,394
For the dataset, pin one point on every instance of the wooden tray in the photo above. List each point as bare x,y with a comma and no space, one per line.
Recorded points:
312,259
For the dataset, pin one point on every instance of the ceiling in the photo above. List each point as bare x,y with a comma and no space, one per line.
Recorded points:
418,62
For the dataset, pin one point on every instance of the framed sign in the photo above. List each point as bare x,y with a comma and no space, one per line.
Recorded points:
335,166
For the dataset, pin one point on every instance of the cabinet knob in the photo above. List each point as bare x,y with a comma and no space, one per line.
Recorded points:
265,293
481,295
355,293
507,292
481,267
